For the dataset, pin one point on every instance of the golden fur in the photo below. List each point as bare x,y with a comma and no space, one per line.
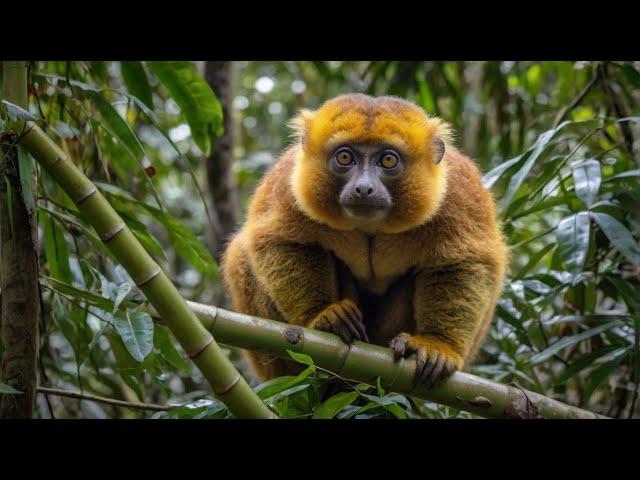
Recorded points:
432,269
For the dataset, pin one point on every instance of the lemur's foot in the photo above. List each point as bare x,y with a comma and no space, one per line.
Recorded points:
343,318
436,360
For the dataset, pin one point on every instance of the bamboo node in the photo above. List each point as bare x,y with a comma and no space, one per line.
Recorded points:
519,405
227,388
293,334
105,237
86,194
197,351
147,278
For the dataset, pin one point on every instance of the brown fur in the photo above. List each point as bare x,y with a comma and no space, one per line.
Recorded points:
433,270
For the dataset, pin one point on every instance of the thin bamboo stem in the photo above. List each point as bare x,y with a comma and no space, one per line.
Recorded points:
227,384
364,362
109,401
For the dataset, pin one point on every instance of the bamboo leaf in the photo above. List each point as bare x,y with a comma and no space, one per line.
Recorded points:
568,341
271,387
56,249
587,178
25,166
599,374
533,154
135,78
618,235
195,98
331,407
301,357
182,239
8,389
16,112
117,125
585,361
164,344
573,240
136,330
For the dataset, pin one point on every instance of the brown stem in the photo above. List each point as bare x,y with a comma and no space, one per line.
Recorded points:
18,243
220,174
110,401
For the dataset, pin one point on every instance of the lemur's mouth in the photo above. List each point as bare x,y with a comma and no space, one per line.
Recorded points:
365,209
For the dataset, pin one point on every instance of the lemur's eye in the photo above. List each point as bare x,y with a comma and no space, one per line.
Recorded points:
389,160
344,158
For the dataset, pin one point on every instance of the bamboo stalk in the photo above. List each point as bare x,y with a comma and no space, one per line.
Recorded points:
226,382
364,362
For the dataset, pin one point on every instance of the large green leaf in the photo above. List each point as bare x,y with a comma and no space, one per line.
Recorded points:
587,178
195,98
573,240
135,78
136,331
618,235
56,249
333,405
531,156
571,340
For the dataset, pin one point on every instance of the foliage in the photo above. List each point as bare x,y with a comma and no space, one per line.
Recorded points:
557,141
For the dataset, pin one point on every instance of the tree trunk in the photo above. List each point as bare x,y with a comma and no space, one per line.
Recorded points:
221,180
20,307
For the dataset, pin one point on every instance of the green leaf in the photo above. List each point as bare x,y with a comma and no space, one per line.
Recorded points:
301,357
136,331
182,239
117,126
571,340
534,260
25,166
15,112
587,178
271,387
599,374
618,235
531,156
77,293
135,78
331,407
195,98
163,342
8,389
56,249
585,361
573,240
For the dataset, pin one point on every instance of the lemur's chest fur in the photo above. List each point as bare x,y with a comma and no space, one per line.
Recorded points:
371,258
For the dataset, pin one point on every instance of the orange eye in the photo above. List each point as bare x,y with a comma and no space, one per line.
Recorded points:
389,160
344,158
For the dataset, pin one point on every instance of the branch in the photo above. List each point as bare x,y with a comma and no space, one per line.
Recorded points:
365,362
574,103
227,384
95,398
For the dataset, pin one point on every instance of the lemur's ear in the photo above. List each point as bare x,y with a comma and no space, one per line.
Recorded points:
438,150
300,124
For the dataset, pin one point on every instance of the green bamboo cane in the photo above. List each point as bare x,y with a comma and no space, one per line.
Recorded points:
226,382
364,362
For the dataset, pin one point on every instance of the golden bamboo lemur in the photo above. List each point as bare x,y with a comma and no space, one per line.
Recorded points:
372,226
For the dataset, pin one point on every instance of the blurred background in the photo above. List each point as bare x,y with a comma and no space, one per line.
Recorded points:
179,147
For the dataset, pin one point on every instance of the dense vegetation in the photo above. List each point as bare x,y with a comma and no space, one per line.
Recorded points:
558,143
